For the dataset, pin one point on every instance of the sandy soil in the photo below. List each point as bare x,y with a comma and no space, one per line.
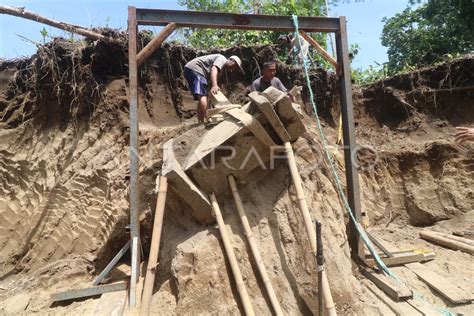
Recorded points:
64,185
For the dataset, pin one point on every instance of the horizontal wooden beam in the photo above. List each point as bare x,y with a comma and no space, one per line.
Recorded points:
399,259
201,19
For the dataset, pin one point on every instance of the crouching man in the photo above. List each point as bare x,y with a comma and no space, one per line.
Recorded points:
198,72
268,79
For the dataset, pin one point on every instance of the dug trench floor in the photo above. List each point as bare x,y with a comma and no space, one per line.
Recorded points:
64,189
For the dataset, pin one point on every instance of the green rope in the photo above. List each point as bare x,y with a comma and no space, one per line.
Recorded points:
342,195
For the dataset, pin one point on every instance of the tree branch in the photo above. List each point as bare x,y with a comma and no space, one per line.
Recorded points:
22,13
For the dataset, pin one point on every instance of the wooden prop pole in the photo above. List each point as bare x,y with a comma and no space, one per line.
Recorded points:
232,259
155,43
253,247
155,246
329,303
320,49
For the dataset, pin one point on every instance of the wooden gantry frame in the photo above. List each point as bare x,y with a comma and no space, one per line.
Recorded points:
172,19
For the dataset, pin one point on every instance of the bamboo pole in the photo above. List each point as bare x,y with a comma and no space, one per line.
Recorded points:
329,303
155,246
155,43
320,49
320,262
22,13
456,238
446,242
253,247
231,256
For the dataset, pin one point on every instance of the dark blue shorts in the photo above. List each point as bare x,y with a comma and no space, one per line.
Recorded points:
196,82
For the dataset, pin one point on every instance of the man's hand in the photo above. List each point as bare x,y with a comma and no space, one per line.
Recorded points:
215,89
464,134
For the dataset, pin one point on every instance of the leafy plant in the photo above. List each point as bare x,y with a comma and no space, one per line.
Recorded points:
422,36
44,33
370,74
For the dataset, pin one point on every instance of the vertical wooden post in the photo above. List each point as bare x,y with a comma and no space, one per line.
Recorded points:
134,155
350,147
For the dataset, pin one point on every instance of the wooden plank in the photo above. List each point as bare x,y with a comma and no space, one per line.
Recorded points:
368,255
111,264
400,308
111,304
443,286
394,290
91,291
423,307
398,260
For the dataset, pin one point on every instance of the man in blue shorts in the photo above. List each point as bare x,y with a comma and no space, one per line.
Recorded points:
200,69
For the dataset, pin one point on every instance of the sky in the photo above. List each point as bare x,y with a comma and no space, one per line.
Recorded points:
364,21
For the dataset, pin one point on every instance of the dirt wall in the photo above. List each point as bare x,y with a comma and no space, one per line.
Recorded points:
64,177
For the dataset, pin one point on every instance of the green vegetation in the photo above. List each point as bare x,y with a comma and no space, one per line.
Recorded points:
428,34
433,31
44,33
211,38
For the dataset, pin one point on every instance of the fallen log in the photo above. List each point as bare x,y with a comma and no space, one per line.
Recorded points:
446,242
22,13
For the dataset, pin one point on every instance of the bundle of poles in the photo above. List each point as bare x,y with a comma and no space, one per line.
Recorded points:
324,293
